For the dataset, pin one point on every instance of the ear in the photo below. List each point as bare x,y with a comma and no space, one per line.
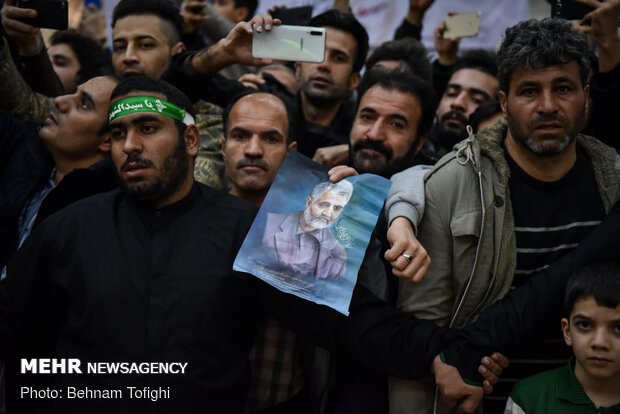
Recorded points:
502,100
298,71
420,144
106,144
292,146
178,48
354,81
308,201
241,13
566,332
586,95
192,140
223,146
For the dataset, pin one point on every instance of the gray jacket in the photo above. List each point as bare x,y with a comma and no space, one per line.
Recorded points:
468,229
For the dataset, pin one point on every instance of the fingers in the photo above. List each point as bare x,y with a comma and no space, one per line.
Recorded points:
488,374
15,27
471,402
487,387
591,3
501,359
413,271
339,172
252,80
262,22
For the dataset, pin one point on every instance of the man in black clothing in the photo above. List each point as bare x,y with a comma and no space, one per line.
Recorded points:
143,274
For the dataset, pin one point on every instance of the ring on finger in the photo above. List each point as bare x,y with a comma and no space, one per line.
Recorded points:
407,256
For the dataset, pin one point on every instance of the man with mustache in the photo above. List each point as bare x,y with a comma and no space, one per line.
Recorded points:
517,196
324,111
255,143
303,242
473,82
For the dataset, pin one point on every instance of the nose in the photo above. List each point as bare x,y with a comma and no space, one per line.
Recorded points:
254,147
547,103
63,102
130,54
601,339
459,103
133,143
376,131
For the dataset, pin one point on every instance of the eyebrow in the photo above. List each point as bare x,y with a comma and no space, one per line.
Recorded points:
270,131
141,37
394,115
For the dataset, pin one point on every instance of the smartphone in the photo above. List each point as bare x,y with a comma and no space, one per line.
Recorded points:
569,10
296,16
51,14
462,25
294,43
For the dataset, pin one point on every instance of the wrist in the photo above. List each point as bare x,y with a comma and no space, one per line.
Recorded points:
447,59
30,49
212,59
415,16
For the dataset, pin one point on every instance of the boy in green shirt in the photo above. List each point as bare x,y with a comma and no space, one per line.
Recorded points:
590,382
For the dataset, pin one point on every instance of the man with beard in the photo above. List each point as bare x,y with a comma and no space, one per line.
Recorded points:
393,117
324,114
516,197
473,82
302,241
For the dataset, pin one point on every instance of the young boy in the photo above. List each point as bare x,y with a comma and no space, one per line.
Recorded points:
590,382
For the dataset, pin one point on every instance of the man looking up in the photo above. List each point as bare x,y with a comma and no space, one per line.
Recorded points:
324,115
473,82
480,227
41,175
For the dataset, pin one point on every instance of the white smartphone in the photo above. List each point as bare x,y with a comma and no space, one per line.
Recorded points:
294,43
462,25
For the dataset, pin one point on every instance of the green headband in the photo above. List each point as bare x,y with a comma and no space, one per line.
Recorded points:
135,104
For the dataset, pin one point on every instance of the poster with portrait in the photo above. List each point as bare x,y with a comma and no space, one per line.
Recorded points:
310,235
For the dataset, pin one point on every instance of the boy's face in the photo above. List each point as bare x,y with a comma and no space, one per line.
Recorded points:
594,334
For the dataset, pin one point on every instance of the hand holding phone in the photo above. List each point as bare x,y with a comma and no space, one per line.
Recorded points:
462,25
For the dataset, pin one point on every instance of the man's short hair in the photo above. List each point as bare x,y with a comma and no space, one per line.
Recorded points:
346,22
248,92
483,112
535,44
146,84
407,83
598,280
342,187
94,60
479,59
251,5
408,50
164,9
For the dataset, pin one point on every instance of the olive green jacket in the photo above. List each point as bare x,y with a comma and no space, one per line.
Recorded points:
468,231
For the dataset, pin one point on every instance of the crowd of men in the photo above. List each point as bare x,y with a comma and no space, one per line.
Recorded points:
120,222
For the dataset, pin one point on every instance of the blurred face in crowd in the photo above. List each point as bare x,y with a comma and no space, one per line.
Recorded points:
329,81
466,90
324,211
227,9
594,334
153,161
384,134
545,108
74,125
142,46
66,65
256,145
